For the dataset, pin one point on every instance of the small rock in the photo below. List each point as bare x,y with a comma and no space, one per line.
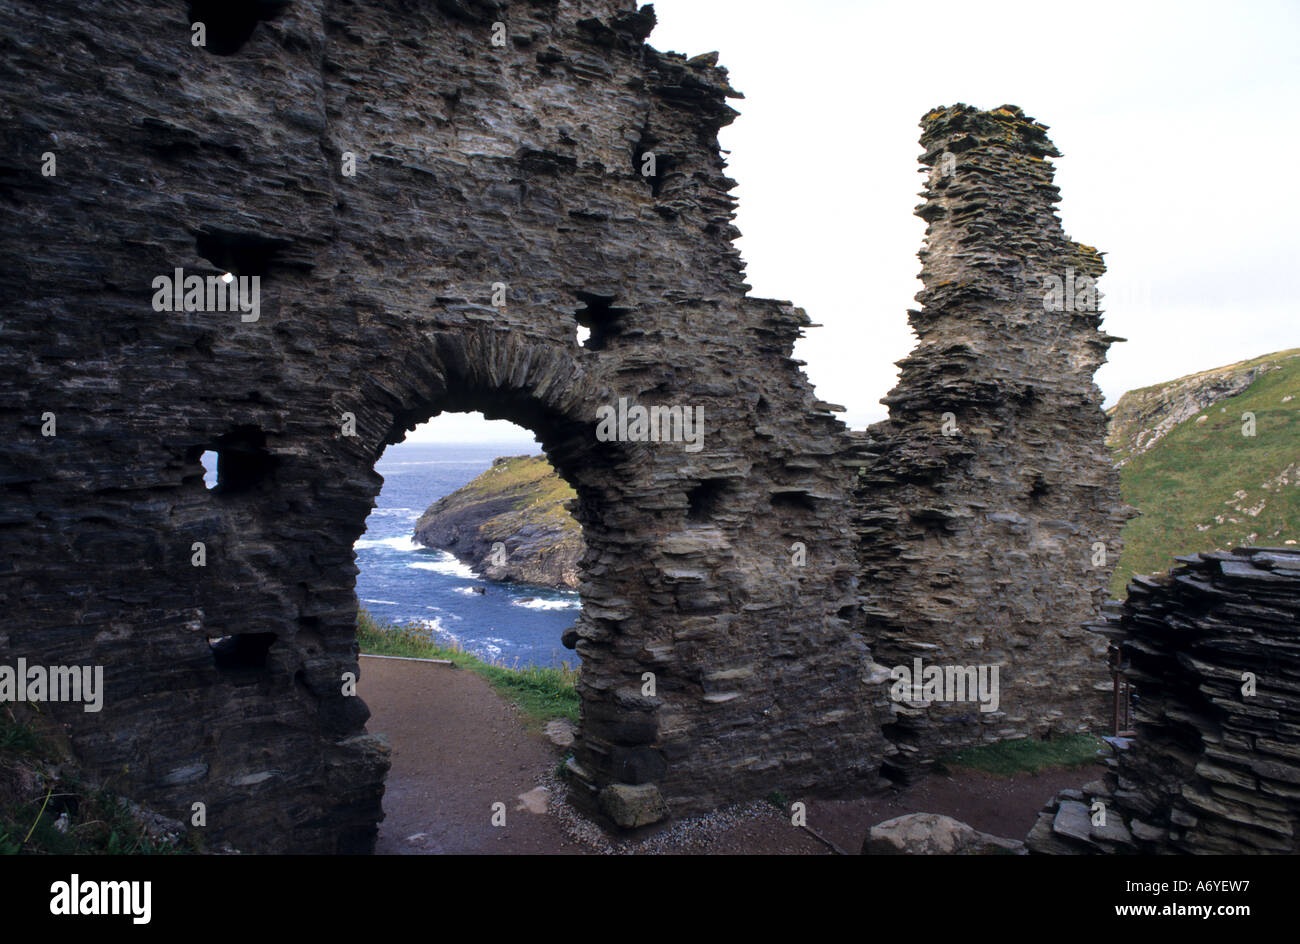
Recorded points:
935,834
560,731
631,806
534,801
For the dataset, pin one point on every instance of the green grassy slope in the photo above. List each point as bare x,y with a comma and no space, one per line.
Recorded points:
1204,485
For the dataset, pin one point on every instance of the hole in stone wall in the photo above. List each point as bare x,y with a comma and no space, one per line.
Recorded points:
209,462
599,316
245,652
705,500
471,541
238,252
469,544
650,163
793,501
230,23
242,460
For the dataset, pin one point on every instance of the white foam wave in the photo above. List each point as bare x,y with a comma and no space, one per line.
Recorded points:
533,603
384,602
447,564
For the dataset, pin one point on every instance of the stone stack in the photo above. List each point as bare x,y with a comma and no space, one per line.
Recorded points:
988,511
1213,650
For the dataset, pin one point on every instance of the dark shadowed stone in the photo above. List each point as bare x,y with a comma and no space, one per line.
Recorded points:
1203,775
637,765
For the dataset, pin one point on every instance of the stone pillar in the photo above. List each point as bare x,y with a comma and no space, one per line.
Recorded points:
988,511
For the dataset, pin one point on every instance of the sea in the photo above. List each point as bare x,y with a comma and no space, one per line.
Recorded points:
401,582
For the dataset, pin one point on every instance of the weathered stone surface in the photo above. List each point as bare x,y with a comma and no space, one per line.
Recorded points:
1213,768
475,166
986,495
631,806
935,834
561,732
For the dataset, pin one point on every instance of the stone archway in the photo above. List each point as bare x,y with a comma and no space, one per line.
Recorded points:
693,601
386,172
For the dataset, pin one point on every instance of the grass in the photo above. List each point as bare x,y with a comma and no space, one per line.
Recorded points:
1025,755
97,821
541,694
1188,485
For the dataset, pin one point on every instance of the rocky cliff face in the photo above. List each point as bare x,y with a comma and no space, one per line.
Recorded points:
988,510
510,523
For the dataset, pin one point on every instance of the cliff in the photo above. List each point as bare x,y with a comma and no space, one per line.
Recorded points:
519,503
1210,461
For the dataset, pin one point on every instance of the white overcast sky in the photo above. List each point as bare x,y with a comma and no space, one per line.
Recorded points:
1177,122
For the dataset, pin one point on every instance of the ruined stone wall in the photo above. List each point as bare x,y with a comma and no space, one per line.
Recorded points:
1213,651
988,511
380,166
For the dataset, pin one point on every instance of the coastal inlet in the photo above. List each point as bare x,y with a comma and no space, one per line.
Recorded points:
402,581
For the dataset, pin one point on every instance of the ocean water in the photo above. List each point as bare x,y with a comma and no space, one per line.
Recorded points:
402,582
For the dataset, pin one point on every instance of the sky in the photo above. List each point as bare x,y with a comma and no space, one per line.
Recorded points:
1180,139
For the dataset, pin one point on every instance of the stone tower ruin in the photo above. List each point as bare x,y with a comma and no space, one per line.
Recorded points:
988,512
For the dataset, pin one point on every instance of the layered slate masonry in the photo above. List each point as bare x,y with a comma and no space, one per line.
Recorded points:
431,217
1213,651
987,509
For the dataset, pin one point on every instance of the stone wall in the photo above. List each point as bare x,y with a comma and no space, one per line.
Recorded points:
988,511
1213,651
380,167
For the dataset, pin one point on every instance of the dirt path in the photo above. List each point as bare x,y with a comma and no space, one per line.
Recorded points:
458,748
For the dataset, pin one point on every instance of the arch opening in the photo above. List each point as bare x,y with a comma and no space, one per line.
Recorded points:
472,541
498,611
